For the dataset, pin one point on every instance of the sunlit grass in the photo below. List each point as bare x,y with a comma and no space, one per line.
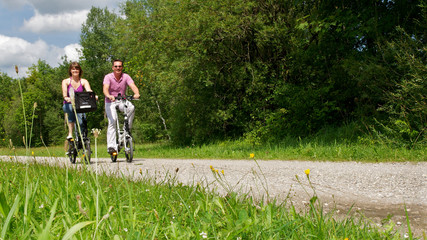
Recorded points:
297,150
60,204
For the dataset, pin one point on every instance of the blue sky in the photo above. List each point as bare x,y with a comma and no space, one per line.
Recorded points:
42,29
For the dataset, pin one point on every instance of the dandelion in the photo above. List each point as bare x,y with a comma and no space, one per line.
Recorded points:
211,167
252,155
96,132
32,153
204,235
140,171
345,238
222,171
307,171
216,170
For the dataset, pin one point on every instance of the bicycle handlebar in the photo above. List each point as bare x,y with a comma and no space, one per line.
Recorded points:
129,97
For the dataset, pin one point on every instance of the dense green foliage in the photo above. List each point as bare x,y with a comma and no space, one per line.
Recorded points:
258,70
58,203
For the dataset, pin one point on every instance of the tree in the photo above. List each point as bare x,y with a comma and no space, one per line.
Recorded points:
98,39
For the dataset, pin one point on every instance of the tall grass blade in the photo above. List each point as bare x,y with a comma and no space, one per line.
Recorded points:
4,207
46,230
9,217
409,225
155,232
74,229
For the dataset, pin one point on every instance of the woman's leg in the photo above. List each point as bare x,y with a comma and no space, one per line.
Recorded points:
68,109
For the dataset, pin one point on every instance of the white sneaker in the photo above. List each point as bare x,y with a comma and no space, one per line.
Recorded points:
69,137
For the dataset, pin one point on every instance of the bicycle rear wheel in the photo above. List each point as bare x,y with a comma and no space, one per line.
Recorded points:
129,149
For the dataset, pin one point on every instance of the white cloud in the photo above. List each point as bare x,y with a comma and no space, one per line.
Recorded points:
17,51
58,6
44,23
13,4
73,51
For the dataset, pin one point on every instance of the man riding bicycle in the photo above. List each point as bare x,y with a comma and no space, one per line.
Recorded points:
115,83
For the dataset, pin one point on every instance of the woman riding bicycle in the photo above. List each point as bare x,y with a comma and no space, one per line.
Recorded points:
69,86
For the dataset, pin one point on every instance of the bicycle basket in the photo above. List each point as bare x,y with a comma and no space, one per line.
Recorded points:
85,102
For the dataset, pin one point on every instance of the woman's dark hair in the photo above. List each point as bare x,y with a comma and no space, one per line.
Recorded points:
75,65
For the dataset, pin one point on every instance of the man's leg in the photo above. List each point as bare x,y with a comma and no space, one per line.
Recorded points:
130,112
110,110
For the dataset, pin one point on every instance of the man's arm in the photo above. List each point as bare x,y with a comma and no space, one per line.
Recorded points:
106,91
135,90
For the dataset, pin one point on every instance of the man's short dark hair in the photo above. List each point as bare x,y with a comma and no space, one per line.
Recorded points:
117,60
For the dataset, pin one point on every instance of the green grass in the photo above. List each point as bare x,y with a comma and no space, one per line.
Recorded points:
288,150
58,203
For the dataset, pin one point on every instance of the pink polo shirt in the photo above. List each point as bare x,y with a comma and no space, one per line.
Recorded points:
117,86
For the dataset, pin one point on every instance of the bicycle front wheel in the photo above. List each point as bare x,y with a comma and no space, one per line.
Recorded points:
129,149
72,152
87,152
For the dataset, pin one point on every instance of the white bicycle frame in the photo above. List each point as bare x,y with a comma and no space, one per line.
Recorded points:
122,133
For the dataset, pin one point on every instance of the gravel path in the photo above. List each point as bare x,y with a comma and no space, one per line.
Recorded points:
375,190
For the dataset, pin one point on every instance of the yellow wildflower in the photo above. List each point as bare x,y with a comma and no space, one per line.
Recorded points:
222,171
307,171
211,167
251,155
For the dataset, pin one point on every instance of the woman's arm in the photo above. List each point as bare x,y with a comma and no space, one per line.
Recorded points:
64,90
86,85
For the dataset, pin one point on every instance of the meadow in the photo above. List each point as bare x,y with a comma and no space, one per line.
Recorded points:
292,149
42,202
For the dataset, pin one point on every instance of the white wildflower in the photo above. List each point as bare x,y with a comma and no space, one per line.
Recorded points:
204,235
